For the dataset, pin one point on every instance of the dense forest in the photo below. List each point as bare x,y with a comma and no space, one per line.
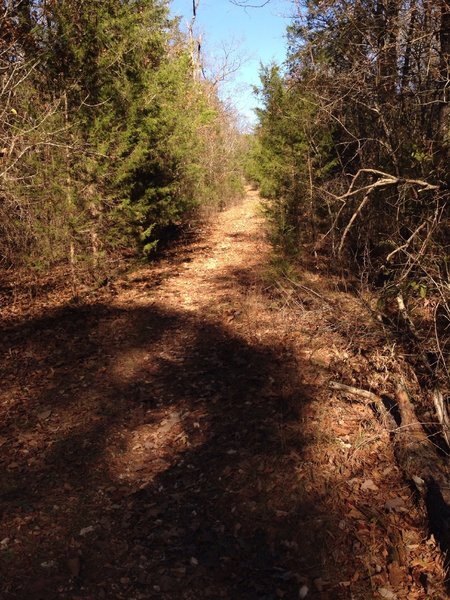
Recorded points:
108,133
353,148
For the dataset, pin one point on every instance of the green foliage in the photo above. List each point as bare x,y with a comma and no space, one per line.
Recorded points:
288,150
352,149
353,105
129,141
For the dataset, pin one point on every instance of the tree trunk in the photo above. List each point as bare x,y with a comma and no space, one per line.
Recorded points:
387,25
408,47
23,12
444,39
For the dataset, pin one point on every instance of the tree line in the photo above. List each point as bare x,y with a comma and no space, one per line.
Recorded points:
108,134
352,147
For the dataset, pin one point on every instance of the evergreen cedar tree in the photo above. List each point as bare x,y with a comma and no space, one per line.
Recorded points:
109,137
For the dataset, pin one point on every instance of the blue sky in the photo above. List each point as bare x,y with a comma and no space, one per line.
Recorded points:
253,35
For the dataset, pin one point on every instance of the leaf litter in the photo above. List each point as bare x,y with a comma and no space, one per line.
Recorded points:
173,436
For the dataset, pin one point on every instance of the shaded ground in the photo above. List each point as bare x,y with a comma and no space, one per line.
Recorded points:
173,437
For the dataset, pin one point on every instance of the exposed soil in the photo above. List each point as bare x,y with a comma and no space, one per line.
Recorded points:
173,436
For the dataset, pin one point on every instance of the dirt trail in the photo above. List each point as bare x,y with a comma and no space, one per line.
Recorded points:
174,437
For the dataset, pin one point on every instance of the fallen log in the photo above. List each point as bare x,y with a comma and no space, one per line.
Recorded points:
418,458
384,414
341,387
415,452
422,465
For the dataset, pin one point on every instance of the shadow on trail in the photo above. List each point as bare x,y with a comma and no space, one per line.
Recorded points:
215,507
